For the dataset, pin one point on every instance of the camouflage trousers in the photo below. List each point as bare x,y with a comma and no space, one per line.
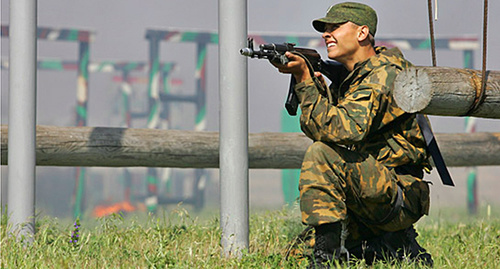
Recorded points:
336,182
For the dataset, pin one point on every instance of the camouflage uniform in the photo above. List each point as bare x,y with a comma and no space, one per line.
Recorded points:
364,148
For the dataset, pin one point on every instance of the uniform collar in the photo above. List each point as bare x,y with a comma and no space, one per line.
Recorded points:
381,57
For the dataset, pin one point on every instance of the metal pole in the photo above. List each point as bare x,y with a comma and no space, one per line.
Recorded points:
233,127
154,116
201,119
22,117
82,95
470,127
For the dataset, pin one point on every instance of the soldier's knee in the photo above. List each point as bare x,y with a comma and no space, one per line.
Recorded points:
316,149
319,150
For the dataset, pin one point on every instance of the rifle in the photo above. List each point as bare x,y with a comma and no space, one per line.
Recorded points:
276,53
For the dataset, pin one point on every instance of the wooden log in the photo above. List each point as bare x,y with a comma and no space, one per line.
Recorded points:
447,92
120,147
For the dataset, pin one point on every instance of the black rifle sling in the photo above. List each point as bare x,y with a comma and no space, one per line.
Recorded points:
433,148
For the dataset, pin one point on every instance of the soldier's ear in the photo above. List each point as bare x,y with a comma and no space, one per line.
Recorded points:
363,33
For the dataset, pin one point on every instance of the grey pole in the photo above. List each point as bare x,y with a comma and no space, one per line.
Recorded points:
233,127
22,117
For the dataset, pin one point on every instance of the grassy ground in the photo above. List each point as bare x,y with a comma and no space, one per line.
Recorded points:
178,240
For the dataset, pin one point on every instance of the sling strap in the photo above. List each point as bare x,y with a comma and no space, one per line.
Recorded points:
434,150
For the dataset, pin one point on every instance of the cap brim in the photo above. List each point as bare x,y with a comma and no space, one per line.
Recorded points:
319,24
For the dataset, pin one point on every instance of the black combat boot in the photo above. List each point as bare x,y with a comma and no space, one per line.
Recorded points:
399,246
404,243
327,245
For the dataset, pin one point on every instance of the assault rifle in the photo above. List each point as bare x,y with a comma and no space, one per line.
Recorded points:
276,53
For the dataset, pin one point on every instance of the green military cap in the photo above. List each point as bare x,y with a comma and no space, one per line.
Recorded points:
357,13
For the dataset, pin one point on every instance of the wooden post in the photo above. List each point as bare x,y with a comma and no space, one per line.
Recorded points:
447,91
121,147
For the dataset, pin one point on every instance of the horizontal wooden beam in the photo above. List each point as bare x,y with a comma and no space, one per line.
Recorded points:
448,91
121,147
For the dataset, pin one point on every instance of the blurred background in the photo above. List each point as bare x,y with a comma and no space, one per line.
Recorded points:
117,30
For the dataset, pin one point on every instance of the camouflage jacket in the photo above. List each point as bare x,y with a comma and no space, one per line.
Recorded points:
363,114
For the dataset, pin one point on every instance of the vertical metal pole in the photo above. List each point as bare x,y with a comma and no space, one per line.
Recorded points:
82,91
201,119
470,127
166,123
82,96
154,116
201,87
126,92
233,127
22,117
469,59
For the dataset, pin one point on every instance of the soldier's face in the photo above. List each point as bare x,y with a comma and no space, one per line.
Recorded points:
341,41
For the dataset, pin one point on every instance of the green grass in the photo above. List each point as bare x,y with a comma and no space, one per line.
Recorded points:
179,240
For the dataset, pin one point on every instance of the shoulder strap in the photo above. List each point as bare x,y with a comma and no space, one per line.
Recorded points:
434,150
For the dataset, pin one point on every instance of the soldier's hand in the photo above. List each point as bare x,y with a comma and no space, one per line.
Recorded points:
321,79
296,66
